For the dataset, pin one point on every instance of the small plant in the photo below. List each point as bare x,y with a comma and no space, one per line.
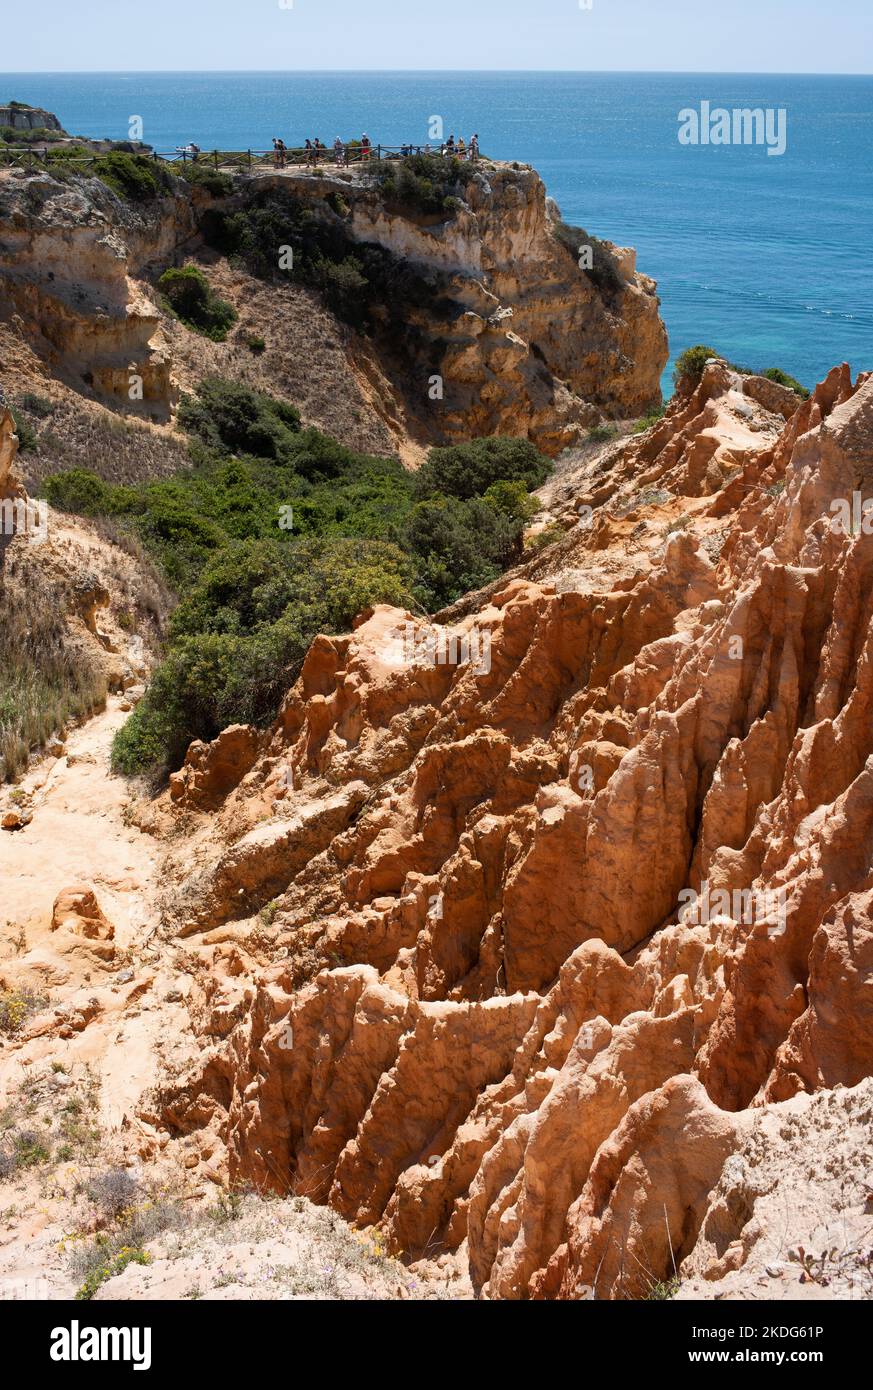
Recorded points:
29,1150
663,1289
193,301
601,434
27,436
783,379
543,539
113,1193
255,343
108,1266
229,1206
267,914
16,1006
646,421
337,203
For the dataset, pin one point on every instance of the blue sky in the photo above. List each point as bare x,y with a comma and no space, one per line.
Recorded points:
623,35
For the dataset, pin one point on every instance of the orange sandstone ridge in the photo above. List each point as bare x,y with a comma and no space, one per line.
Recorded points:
442,978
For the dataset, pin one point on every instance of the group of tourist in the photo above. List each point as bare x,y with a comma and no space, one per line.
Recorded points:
460,150
315,152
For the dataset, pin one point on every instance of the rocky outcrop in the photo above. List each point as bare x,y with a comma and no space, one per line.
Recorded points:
69,257
492,328
594,945
521,339
19,116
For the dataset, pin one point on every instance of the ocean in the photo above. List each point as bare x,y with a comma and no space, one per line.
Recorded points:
766,258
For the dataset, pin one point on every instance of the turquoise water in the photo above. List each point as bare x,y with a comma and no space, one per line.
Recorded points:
765,258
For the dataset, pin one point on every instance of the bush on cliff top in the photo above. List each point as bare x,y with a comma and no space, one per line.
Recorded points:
132,176
690,364
276,533
423,183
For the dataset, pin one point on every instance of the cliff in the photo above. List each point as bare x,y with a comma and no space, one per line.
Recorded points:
484,298
18,115
592,909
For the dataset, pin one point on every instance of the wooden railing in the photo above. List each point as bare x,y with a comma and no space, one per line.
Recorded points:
249,160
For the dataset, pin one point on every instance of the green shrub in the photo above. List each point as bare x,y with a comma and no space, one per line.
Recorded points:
85,494
193,300
255,593
423,183
240,638
132,176
229,416
458,546
776,374
468,470
27,436
205,176
601,434
36,405
646,422
690,364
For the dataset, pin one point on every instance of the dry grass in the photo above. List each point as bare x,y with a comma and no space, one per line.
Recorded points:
46,679
82,434
307,357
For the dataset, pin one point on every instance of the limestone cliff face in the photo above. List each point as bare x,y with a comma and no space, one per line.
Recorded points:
28,118
522,340
69,255
557,934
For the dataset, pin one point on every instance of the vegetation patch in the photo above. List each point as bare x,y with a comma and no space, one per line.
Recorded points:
690,364
427,184
192,299
45,679
276,533
132,176
279,238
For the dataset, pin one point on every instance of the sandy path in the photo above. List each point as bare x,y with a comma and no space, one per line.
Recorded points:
78,834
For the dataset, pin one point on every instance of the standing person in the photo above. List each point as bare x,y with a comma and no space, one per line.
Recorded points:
308,148
474,148
450,145
275,152
365,148
462,149
283,150
339,151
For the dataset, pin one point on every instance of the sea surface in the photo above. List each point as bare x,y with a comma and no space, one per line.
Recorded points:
766,258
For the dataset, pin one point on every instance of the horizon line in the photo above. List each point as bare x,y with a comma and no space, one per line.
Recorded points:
345,72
